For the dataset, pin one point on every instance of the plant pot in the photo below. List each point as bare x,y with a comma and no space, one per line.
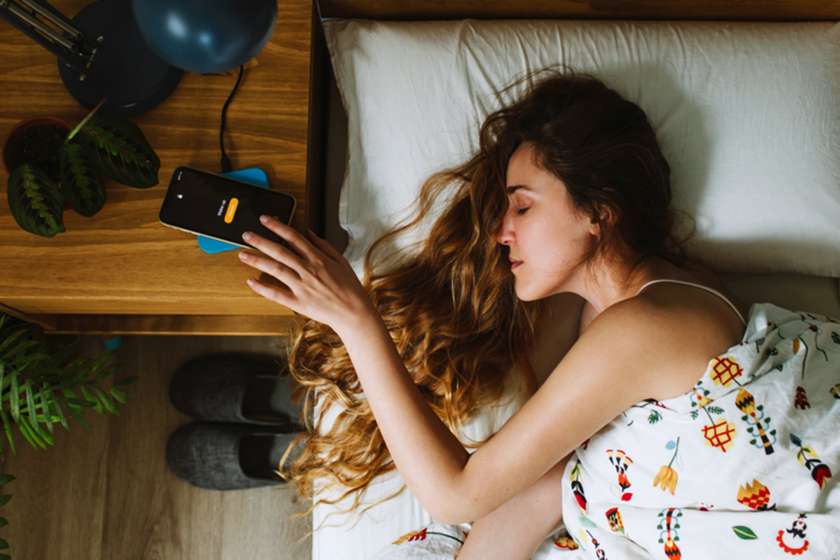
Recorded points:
36,141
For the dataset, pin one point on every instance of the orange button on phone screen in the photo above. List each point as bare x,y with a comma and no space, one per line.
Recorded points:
231,210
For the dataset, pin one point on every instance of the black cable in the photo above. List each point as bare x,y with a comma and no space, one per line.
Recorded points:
226,165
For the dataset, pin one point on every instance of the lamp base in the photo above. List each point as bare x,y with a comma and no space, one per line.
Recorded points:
125,70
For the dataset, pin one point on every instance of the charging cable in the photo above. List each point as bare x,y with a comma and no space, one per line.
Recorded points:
226,165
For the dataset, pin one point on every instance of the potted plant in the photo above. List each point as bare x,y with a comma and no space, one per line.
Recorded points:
52,168
40,382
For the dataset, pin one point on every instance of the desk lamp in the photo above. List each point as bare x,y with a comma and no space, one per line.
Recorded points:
134,52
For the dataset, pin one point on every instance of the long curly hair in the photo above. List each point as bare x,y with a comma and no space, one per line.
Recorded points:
449,304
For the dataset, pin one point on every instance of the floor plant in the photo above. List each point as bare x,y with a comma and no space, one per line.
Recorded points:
42,383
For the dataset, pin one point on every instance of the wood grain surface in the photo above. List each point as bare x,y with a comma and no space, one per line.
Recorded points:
122,261
106,493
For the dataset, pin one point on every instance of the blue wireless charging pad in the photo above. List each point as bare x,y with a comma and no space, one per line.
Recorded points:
252,175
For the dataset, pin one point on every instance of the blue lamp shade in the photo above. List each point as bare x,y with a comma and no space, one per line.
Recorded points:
206,36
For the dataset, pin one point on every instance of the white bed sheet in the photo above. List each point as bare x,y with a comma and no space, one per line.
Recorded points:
354,537
349,537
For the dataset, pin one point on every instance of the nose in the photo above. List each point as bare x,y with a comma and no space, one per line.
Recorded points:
505,234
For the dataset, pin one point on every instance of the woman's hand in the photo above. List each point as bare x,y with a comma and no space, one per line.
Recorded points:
315,280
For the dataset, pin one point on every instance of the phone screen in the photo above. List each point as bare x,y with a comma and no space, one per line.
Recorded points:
207,204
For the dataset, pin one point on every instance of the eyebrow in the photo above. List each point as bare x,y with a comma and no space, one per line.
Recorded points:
511,188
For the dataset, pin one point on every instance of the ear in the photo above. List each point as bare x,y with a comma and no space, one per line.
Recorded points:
605,216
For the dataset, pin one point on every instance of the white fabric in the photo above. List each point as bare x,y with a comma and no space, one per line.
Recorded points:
360,537
436,541
740,466
415,94
746,114
743,463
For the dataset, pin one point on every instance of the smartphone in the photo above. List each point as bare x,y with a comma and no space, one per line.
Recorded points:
204,203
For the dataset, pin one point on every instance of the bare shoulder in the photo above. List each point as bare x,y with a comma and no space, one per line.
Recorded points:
677,335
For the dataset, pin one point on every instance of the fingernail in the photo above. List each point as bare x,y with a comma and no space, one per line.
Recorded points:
264,219
246,236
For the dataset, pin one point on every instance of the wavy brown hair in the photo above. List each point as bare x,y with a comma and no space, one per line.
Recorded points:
449,304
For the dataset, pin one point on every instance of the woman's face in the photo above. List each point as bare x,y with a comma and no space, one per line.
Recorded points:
542,230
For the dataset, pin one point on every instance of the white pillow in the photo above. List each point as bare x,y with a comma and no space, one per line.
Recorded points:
746,114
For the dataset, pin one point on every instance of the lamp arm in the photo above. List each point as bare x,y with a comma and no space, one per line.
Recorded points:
33,17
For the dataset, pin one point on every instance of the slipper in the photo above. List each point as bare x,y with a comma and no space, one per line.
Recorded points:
244,387
224,456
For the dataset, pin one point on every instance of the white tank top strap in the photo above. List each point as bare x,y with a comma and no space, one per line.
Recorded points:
720,295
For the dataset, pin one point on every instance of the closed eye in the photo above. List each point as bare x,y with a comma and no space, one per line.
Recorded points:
521,210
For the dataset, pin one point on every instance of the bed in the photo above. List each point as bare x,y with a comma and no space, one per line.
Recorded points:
766,164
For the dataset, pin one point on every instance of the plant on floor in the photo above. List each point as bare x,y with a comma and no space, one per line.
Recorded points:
39,381
50,172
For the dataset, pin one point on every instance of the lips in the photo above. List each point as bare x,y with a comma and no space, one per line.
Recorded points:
514,264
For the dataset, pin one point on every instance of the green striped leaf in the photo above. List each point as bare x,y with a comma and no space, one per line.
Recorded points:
105,400
122,151
744,532
57,408
14,398
8,342
28,434
81,180
118,395
30,403
7,427
35,201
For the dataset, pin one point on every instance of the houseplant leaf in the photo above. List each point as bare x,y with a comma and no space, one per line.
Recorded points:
35,201
37,380
36,141
122,151
7,428
81,179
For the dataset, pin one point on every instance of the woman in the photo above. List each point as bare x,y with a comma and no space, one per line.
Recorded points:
569,193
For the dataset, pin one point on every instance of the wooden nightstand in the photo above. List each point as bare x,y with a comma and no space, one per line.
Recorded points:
121,271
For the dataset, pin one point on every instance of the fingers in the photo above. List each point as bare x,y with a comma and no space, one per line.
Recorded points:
271,267
292,237
324,245
273,290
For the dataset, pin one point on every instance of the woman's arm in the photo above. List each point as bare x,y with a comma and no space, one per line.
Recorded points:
604,373
515,530
519,526
427,455
615,363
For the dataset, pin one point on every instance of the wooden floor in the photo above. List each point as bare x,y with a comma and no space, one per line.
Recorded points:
106,493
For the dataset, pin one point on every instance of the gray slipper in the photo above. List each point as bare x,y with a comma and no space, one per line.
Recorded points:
246,387
224,456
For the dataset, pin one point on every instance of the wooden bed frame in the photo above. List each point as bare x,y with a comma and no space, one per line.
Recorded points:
767,10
